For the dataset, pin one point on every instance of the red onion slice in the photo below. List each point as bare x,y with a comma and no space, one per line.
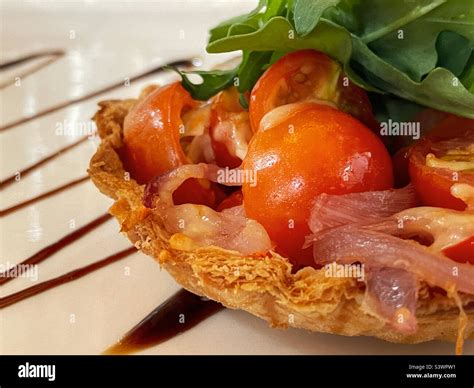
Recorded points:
228,230
391,293
163,186
350,243
334,210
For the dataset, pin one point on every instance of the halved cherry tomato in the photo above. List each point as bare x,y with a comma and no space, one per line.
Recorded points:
151,141
462,252
400,167
227,118
433,163
235,199
301,151
450,126
305,75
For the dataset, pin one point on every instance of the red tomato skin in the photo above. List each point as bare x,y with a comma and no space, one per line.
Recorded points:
400,167
432,188
151,141
235,199
293,168
221,153
433,185
225,106
462,252
279,86
151,132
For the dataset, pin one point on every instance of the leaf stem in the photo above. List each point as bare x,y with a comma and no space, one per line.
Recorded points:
396,24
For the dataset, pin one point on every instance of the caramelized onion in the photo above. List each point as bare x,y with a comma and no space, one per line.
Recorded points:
334,210
391,294
351,243
163,186
228,230
446,227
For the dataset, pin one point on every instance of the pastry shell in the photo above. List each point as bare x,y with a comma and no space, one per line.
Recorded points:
264,286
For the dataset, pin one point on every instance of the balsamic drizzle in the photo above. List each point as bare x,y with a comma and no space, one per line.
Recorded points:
162,323
50,250
53,54
8,181
66,278
40,197
177,314
30,57
90,95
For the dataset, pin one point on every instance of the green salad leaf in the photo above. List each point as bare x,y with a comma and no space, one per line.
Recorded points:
243,76
307,14
251,68
417,50
279,35
265,10
454,51
440,89
212,82
467,77
408,41
250,20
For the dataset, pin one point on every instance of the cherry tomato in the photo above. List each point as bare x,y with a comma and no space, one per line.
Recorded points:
151,141
228,119
462,252
433,161
400,167
300,151
235,199
305,75
448,126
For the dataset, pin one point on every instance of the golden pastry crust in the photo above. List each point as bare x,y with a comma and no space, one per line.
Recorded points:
264,286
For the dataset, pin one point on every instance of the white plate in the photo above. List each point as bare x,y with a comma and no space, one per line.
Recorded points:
106,42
